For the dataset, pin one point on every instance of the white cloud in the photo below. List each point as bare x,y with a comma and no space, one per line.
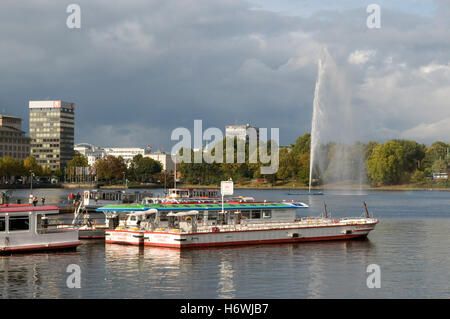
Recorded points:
361,56
430,132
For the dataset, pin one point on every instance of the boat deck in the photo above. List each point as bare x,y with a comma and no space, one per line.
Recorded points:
301,223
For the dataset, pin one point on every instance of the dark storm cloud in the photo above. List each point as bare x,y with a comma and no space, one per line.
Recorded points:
138,69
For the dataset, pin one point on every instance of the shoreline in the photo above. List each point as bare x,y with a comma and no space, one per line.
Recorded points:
406,187
244,186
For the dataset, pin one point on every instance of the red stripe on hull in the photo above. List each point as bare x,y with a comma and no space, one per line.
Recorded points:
255,242
41,247
91,237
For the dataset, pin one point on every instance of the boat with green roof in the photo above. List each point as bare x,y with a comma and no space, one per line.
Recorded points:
194,225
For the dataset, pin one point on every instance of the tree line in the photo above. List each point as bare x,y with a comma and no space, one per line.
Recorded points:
394,162
113,169
109,169
11,170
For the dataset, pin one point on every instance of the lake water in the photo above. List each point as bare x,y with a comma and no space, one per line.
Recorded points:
410,245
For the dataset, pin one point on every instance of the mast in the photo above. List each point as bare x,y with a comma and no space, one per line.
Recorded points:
367,211
175,177
325,209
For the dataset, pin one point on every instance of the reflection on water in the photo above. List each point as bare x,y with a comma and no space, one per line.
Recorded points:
410,244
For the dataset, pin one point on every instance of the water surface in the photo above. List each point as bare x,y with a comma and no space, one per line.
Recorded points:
410,244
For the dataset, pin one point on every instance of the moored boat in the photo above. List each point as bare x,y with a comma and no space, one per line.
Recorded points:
92,199
25,228
202,225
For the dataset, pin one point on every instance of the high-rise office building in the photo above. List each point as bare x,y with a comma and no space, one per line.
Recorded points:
52,133
13,142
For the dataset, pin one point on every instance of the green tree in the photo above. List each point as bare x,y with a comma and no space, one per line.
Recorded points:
437,150
303,163
413,154
30,164
143,168
302,145
79,160
418,177
385,164
110,168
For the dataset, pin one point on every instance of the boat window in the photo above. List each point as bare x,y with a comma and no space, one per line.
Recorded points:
256,214
246,214
2,224
267,214
19,223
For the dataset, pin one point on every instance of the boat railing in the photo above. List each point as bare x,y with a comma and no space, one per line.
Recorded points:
43,231
249,226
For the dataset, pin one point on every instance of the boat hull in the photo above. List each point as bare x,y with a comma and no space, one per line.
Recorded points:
239,237
91,234
40,247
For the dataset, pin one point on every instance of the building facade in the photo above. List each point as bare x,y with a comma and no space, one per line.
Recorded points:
91,152
240,131
52,125
127,153
13,141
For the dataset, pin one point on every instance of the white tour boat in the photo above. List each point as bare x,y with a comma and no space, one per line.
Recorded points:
26,228
203,225
93,199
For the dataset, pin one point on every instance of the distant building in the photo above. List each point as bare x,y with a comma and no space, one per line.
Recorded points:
52,126
240,131
165,159
440,176
127,153
13,142
91,152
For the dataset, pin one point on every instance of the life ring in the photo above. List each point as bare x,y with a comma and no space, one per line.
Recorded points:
190,218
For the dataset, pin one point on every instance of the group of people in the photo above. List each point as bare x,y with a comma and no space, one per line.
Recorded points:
75,198
33,200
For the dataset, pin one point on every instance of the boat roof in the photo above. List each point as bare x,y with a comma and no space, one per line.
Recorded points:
25,208
202,206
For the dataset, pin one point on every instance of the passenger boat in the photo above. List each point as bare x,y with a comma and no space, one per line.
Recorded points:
25,228
93,199
193,192
204,225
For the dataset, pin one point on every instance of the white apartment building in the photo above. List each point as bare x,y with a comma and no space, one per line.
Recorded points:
93,153
127,153
240,131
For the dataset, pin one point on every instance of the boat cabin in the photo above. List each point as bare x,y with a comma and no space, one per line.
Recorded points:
193,192
174,215
98,198
135,219
26,227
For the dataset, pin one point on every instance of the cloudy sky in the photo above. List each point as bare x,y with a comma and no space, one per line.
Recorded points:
136,70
